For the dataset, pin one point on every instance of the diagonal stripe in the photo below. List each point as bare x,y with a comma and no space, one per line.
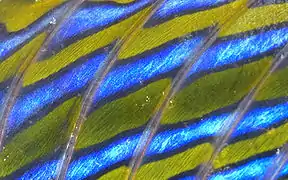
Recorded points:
10,67
18,14
233,153
153,37
25,147
111,121
253,169
168,140
92,18
130,75
213,66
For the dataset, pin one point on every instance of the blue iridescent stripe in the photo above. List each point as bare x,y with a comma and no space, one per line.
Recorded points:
255,169
262,116
227,52
11,43
119,79
142,70
174,8
91,18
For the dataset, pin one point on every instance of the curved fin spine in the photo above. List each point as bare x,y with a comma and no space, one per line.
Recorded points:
93,87
16,84
233,120
178,81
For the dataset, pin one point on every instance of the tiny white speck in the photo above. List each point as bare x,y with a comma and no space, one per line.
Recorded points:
53,21
4,159
106,49
227,167
278,151
43,50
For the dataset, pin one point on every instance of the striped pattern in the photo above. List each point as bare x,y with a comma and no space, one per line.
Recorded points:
44,113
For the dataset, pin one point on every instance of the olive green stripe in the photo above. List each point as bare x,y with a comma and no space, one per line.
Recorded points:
201,97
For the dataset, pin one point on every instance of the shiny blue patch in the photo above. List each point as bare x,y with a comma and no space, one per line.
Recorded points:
233,51
94,17
166,141
142,70
157,63
173,8
255,169
257,118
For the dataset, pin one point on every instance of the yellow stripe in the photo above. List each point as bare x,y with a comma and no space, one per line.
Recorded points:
221,89
275,86
119,173
191,158
38,140
45,68
172,166
90,136
150,38
258,17
272,139
253,18
192,102
131,111
11,65
17,14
